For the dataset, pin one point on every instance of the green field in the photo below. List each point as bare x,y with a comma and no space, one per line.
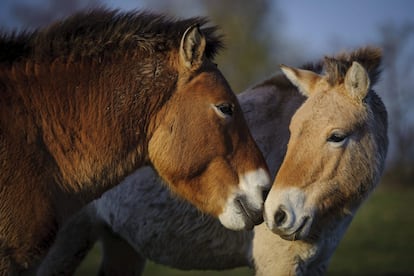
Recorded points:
379,242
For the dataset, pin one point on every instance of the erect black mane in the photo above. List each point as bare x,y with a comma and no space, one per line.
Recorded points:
101,32
336,67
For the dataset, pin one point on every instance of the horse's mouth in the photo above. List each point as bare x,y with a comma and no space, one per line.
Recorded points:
254,217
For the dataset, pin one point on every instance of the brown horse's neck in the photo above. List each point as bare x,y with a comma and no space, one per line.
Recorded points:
85,117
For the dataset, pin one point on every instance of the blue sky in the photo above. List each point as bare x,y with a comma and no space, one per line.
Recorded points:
323,23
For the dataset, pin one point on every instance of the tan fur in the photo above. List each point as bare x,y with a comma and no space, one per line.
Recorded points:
334,178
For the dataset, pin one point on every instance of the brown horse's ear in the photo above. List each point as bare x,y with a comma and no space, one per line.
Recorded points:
304,80
193,45
357,81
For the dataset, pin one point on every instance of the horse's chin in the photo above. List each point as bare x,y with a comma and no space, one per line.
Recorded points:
244,208
238,215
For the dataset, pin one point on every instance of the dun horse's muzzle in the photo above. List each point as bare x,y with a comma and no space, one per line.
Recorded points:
287,214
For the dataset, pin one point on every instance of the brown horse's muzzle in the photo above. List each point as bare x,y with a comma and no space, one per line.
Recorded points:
244,208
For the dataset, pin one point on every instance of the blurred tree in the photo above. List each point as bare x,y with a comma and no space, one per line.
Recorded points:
398,81
247,58
255,43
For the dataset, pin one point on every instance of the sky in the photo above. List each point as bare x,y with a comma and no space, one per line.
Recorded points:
326,24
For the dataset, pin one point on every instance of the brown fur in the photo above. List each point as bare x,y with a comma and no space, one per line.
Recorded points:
81,100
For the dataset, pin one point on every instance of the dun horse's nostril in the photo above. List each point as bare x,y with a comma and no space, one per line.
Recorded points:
280,216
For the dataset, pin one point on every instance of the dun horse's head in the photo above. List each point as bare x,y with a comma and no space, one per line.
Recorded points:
201,144
336,150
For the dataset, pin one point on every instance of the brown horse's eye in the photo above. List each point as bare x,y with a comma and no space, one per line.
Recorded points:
226,108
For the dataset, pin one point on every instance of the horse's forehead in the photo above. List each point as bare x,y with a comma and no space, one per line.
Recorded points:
332,108
212,85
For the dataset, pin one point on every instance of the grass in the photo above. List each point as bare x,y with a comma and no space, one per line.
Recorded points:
379,242
380,239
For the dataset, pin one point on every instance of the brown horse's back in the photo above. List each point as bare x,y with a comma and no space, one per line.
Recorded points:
28,222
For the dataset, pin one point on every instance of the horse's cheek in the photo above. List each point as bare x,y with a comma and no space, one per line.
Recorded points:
159,153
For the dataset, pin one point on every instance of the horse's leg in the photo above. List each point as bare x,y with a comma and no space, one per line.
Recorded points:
73,242
119,258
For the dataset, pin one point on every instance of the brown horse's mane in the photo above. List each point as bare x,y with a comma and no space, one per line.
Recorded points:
93,33
126,53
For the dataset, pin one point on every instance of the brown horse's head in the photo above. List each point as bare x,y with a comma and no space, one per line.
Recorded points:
337,146
201,144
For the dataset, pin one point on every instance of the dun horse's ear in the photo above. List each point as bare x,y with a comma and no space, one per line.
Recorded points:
193,44
304,80
357,81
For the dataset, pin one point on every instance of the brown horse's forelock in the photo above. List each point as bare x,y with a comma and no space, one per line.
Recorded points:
100,32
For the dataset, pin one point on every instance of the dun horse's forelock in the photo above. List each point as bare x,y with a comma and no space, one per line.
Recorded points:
92,34
337,66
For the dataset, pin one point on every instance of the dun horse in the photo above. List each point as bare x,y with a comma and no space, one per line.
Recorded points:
92,98
173,233
335,155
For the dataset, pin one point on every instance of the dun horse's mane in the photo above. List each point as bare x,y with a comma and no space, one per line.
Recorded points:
335,67
93,33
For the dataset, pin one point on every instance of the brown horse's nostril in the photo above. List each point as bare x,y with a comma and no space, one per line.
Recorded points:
280,216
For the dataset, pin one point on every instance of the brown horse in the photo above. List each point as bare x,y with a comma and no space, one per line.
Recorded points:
92,98
335,155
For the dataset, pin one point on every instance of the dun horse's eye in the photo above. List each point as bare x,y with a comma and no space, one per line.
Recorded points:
337,137
225,108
